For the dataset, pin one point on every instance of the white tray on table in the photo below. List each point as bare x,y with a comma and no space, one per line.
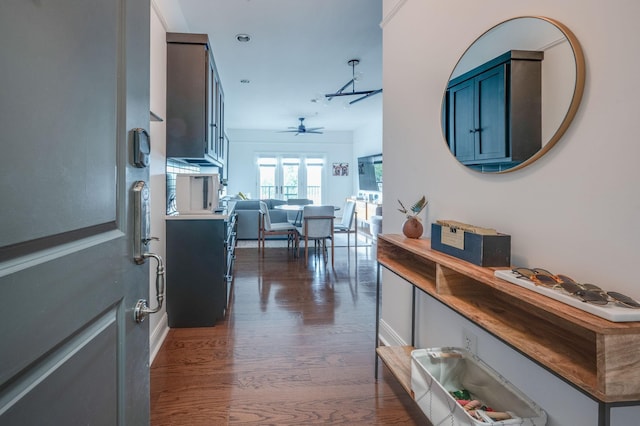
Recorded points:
611,311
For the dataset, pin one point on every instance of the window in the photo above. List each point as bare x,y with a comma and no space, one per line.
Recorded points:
314,179
286,176
267,175
290,178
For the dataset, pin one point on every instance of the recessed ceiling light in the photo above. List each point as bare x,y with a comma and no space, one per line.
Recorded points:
245,81
243,38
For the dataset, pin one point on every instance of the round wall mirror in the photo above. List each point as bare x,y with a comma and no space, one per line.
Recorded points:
513,94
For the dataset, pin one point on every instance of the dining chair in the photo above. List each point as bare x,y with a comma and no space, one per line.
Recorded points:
317,226
349,217
279,228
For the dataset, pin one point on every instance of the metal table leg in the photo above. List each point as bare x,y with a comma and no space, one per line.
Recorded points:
377,320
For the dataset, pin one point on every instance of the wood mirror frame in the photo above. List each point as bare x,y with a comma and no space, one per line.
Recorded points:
491,36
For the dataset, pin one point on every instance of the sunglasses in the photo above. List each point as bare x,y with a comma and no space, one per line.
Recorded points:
560,278
614,296
589,293
588,296
542,277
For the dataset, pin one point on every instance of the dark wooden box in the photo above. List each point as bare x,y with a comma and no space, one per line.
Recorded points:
482,250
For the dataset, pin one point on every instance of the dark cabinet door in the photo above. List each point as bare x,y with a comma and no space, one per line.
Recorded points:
187,100
477,130
490,120
213,111
462,125
196,272
220,151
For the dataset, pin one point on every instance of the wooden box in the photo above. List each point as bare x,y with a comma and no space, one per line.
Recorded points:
481,250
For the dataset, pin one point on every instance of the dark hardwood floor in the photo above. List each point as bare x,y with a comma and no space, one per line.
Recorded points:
296,348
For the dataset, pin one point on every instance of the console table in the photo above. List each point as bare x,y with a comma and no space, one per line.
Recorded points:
598,357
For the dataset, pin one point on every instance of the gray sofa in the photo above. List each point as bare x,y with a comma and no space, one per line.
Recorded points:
248,218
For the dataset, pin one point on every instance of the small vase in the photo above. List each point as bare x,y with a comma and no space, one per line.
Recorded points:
412,228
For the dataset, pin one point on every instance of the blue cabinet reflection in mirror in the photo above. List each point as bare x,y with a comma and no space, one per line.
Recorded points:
370,173
562,85
493,112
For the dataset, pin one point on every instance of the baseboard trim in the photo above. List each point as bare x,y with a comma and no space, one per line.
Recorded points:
157,336
388,335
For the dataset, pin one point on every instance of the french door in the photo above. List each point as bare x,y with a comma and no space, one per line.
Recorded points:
289,176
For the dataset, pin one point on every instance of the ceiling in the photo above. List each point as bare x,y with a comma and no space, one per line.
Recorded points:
299,51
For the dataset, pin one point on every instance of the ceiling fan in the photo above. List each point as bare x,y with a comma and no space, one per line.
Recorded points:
363,94
301,129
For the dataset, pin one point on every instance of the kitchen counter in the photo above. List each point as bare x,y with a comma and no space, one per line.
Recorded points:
203,216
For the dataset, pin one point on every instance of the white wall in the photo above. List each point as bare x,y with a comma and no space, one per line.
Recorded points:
245,145
166,16
573,211
367,140
158,327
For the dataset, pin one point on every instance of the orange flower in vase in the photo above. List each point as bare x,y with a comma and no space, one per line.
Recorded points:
412,226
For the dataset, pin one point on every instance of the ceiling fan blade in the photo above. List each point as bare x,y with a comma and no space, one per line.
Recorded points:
301,129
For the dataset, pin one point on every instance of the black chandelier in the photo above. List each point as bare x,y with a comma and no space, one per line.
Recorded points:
362,93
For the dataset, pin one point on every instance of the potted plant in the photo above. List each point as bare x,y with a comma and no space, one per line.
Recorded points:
412,226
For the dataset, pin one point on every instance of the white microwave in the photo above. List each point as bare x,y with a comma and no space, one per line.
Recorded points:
197,193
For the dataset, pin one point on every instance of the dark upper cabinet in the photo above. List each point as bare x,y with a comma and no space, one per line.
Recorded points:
194,104
493,113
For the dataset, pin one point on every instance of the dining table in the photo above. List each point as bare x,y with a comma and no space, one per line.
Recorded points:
298,208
